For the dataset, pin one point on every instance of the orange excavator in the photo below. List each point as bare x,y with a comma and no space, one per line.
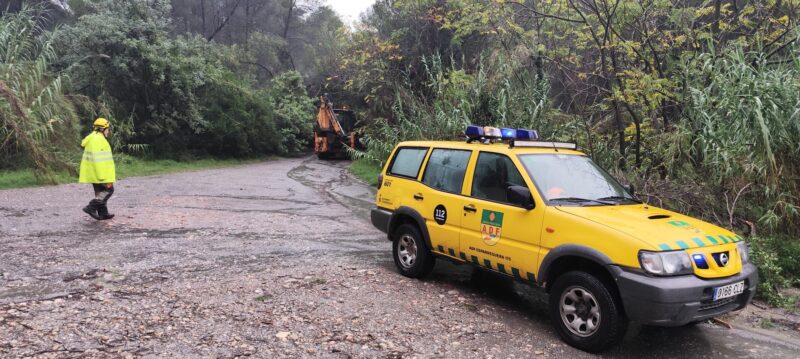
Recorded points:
333,131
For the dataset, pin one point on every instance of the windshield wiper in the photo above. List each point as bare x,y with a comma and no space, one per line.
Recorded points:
619,198
578,199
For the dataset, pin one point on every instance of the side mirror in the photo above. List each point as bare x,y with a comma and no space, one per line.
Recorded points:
630,189
520,196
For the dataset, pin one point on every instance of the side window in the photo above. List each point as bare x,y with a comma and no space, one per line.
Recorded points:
445,170
494,173
407,161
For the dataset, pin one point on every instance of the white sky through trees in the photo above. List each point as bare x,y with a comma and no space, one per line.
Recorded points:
350,9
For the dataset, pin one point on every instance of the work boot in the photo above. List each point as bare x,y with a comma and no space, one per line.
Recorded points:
91,210
102,212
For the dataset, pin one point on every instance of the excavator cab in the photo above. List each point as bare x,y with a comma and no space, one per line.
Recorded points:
346,118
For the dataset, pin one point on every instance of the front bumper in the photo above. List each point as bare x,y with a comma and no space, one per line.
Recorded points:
675,301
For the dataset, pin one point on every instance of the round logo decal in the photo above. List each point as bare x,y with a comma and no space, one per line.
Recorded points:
723,259
490,239
440,214
491,227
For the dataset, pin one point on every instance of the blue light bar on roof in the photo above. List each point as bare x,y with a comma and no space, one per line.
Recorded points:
508,133
474,132
492,132
530,135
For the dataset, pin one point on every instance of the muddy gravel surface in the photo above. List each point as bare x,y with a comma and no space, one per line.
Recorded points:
276,259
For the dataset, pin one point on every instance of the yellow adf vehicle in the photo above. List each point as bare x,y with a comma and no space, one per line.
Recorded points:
546,214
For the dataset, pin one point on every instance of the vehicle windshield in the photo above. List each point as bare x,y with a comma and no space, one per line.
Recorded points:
573,179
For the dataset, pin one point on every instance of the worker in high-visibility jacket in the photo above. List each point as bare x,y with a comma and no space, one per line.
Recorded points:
97,168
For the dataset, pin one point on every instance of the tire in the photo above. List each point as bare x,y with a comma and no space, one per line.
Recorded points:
592,302
412,257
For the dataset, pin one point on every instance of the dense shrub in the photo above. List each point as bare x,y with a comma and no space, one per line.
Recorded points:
293,112
773,262
743,117
180,94
175,96
453,98
37,119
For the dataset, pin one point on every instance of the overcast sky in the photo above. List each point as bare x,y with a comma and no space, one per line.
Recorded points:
349,9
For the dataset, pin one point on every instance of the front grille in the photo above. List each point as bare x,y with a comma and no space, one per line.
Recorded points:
709,305
718,258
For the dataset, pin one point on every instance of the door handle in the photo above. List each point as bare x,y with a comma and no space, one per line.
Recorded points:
418,196
470,208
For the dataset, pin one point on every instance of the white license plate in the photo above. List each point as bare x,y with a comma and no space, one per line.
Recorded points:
728,291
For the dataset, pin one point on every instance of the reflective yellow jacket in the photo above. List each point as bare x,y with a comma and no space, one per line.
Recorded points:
97,165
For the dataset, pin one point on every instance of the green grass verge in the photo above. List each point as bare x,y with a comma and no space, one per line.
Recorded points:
366,171
133,167
25,178
779,272
127,166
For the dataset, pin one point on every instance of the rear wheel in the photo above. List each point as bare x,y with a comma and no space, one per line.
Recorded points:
585,312
411,255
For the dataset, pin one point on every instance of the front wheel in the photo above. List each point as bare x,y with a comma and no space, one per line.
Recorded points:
585,312
411,255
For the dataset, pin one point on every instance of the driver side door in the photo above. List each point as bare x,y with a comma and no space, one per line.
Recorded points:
495,233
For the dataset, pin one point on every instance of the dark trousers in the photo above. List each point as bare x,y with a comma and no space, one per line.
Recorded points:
101,196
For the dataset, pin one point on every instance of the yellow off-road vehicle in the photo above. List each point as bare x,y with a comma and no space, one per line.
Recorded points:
546,214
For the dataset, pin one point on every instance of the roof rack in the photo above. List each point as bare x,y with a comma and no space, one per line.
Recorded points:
543,144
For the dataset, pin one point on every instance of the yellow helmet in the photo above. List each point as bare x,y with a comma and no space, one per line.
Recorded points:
101,123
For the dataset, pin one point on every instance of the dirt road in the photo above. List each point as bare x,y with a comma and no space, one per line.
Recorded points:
276,259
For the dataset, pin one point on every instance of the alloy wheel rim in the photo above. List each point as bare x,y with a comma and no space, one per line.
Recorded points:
407,251
580,311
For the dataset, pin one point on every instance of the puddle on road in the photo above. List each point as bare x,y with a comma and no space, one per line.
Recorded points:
34,293
302,174
14,212
251,198
333,181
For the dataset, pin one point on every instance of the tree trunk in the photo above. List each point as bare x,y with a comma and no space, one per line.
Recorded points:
286,23
246,24
287,53
717,12
225,20
611,79
203,17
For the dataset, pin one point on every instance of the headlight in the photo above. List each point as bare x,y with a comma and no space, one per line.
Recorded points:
744,252
666,263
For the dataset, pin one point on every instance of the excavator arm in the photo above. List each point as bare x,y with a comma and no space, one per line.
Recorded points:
326,118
